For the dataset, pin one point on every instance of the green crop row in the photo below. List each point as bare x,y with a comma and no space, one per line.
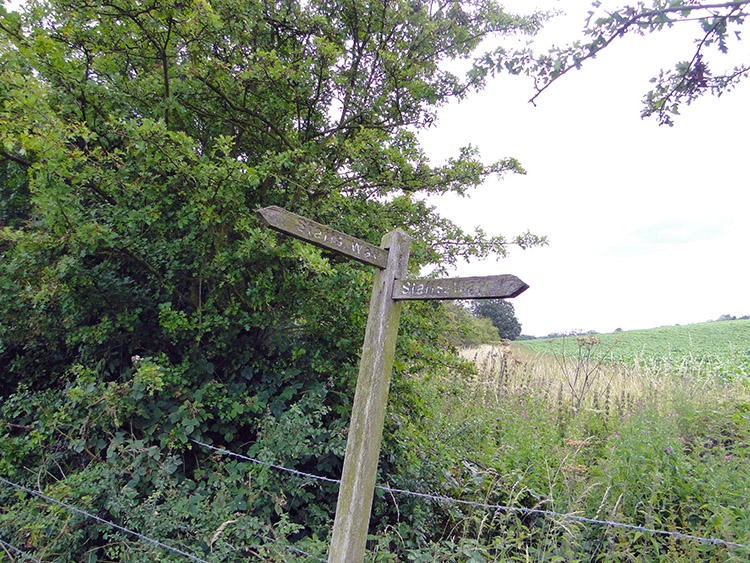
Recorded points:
718,348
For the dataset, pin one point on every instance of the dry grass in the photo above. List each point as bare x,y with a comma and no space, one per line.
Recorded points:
583,383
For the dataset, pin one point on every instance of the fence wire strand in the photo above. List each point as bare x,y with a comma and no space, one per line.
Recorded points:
146,539
497,507
267,464
20,552
141,536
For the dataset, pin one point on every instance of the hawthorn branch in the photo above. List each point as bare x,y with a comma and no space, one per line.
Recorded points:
685,75
247,111
14,158
641,20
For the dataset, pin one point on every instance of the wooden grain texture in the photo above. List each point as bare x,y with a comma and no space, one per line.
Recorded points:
368,412
354,503
325,237
482,287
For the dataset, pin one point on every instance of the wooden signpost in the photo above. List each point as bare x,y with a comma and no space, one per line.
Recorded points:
390,289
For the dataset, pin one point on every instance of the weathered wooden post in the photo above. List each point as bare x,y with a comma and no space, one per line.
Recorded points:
371,395
368,412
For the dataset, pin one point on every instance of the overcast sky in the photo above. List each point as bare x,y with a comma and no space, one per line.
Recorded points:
648,225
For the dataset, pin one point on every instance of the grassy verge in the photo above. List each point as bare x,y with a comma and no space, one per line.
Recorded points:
653,447
642,447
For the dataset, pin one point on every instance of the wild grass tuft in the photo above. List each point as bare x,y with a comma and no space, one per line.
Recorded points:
659,448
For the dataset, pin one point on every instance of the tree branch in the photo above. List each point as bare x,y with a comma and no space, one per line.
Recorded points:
639,19
16,159
247,111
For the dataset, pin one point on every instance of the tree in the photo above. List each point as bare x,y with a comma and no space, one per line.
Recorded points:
502,315
142,303
146,138
718,26
466,329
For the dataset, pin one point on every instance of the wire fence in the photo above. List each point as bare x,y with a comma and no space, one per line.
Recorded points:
138,535
82,512
427,496
497,507
7,548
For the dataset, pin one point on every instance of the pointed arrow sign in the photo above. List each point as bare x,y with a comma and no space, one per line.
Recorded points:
483,287
325,237
354,504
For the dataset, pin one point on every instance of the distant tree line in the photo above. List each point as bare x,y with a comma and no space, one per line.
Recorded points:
731,318
501,314
481,322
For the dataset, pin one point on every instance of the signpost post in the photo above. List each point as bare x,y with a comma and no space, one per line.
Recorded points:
371,394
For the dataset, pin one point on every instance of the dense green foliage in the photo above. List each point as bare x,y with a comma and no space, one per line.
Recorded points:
658,449
138,142
143,305
467,330
716,348
501,314
718,28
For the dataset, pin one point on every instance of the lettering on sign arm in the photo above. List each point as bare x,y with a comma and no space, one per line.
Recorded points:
485,287
413,288
323,236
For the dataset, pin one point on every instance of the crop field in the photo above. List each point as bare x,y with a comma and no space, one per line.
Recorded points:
719,348
649,431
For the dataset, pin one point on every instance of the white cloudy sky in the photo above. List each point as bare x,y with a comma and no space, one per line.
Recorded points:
648,225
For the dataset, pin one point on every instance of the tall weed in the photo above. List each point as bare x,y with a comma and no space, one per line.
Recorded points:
658,449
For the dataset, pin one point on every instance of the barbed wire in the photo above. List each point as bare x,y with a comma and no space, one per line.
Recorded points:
573,517
497,507
6,545
280,468
267,464
141,536
103,521
428,496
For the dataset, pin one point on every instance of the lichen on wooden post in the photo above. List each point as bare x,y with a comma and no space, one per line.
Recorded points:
390,289
368,413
